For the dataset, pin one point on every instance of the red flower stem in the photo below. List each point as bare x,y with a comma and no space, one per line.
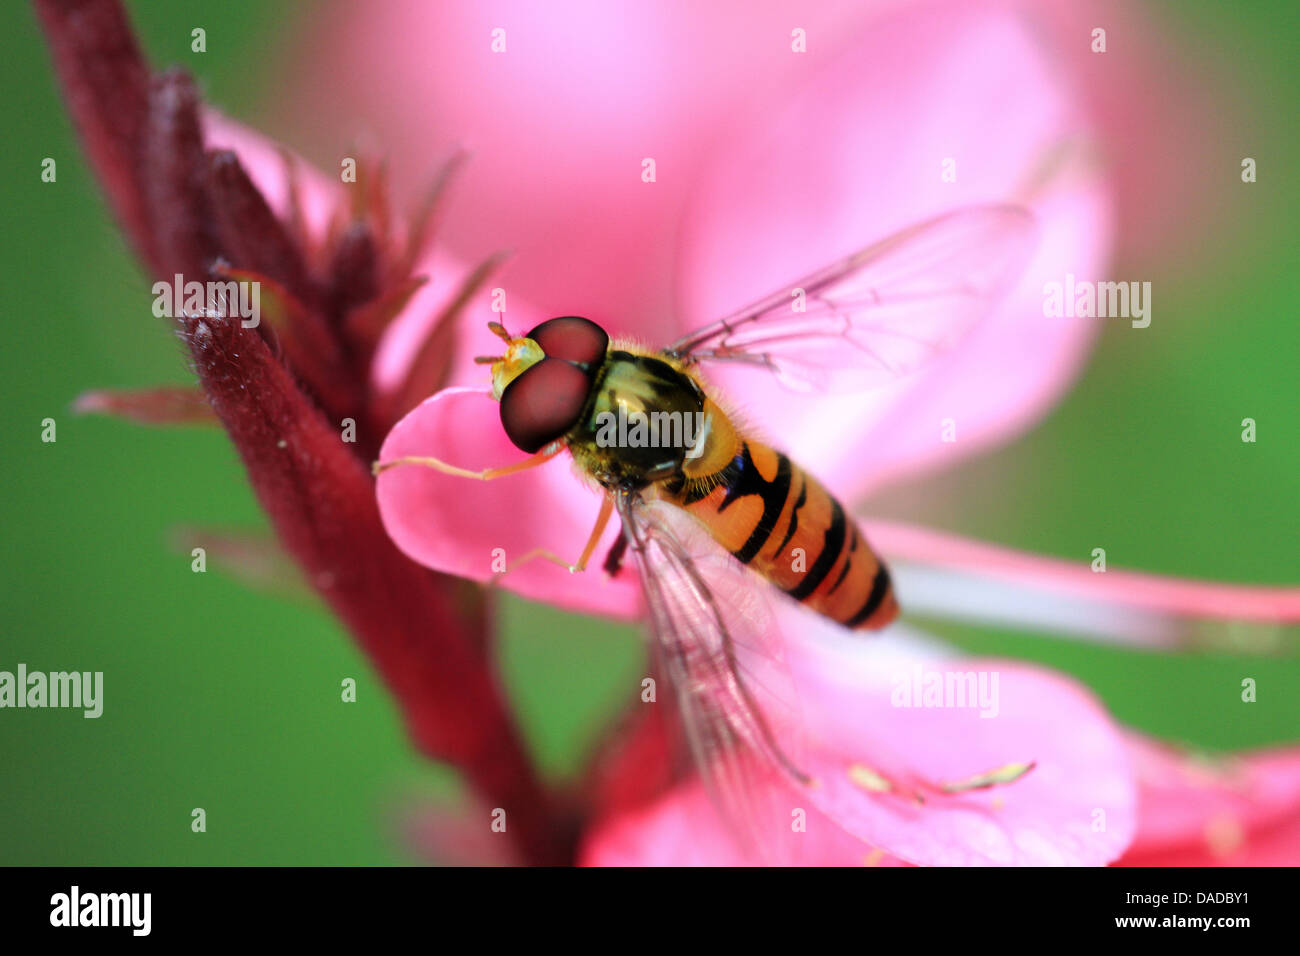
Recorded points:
433,656
143,138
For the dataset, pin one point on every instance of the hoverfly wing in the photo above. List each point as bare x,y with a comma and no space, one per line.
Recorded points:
881,313
713,640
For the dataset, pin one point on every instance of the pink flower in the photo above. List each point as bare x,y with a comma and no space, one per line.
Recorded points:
865,726
766,203
1241,810
583,91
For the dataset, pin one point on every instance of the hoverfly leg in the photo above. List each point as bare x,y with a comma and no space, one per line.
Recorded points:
533,555
486,474
602,521
614,557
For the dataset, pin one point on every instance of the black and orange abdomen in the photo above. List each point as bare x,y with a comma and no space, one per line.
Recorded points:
779,520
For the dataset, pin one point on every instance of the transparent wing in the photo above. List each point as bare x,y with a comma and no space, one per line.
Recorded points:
713,641
881,313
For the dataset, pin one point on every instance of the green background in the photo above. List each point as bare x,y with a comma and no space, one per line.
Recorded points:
228,699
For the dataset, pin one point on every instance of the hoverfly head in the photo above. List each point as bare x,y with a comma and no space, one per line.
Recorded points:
545,377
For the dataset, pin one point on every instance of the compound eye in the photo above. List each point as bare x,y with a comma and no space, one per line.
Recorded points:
544,403
573,338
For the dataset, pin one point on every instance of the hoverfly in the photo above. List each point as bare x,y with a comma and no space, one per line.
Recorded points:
871,318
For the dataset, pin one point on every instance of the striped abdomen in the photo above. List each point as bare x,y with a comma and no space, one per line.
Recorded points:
776,518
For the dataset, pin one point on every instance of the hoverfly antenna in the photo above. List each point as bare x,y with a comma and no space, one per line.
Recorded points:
499,331
488,359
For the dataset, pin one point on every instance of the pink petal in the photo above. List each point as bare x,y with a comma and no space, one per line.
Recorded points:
456,525
683,829
855,155
1242,810
1223,844
559,123
612,89
978,581
1076,807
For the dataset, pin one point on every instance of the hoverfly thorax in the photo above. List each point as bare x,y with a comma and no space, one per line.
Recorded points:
646,421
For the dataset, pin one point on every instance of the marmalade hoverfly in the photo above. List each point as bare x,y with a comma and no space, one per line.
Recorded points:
868,319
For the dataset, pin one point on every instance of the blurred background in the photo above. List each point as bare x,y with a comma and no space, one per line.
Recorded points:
220,697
